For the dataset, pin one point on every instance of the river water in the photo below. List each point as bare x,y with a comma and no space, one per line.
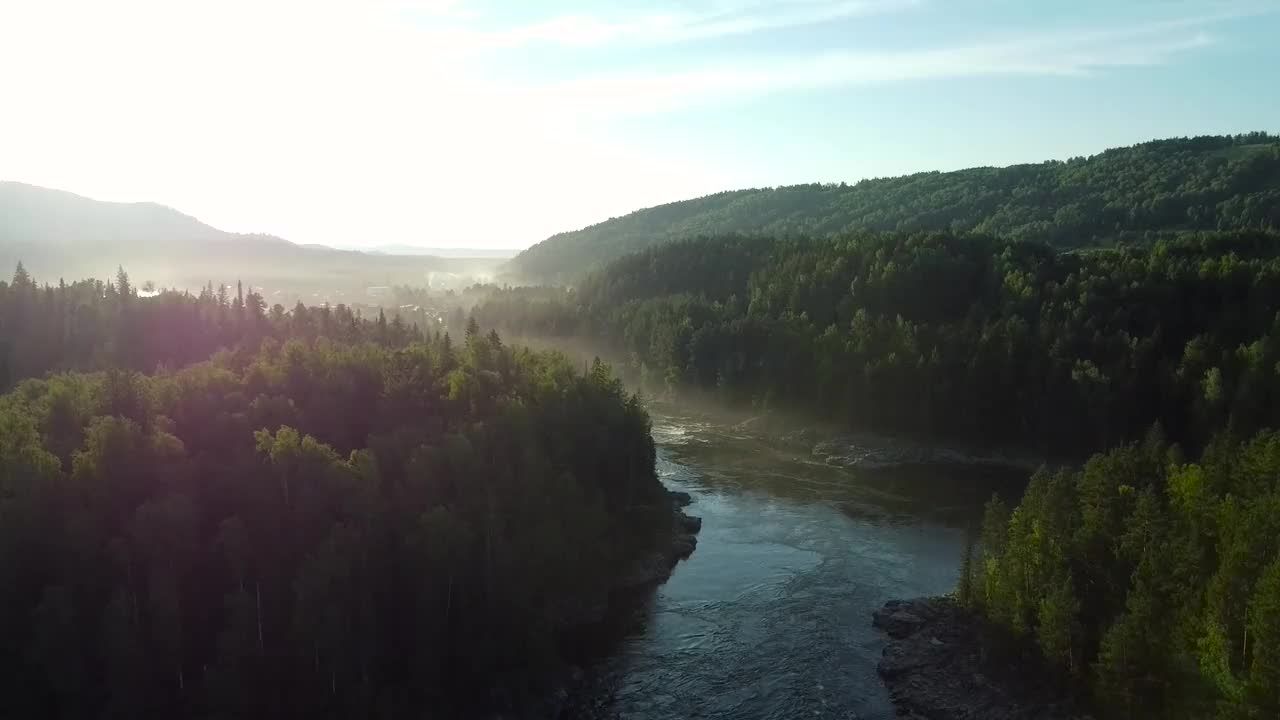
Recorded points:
770,617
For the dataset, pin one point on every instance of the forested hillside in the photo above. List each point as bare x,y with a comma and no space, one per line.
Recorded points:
992,341
337,517
1203,183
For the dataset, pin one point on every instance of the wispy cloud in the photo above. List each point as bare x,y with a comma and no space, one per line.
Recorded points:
672,26
1027,54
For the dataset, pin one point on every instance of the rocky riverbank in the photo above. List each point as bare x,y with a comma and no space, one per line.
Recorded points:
568,692
941,663
656,566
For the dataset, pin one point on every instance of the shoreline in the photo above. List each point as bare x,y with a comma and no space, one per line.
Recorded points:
855,449
608,618
945,662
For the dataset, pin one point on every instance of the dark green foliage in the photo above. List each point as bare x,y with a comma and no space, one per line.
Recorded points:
309,529
90,325
1202,183
1154,583
934,334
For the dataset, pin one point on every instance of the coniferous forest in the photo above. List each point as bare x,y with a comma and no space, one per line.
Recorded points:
1212,182
210,507
331,517
945,336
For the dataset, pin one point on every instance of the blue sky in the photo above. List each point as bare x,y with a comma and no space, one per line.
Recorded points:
494,123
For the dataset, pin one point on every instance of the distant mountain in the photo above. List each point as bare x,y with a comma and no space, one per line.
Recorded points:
1213,182
58,234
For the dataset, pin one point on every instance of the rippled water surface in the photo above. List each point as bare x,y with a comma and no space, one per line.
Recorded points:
770,617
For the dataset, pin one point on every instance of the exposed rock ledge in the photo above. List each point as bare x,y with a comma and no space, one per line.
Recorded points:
937,665
656,566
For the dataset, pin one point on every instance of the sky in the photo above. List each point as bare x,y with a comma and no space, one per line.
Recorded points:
496,123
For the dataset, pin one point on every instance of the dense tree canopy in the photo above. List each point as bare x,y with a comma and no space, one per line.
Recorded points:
332,525
1154,582
970,337
91,324
1202,183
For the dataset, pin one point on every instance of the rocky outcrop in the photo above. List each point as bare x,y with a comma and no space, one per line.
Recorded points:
680,499
655,566
939,664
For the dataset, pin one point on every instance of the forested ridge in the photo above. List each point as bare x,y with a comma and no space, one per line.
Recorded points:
944,336
333,517
1200,183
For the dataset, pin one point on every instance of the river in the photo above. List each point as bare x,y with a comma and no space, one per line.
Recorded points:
770,617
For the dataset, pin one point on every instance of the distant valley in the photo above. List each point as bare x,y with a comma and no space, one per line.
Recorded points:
58,234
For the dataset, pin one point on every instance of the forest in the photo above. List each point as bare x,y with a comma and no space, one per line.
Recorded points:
211,507
944,336
1120,195
1151,581
330,516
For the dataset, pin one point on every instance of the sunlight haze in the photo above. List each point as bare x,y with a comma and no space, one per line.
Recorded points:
494,124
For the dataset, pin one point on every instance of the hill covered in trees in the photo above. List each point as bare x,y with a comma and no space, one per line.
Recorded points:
970,337
1202,183
58,234
336,516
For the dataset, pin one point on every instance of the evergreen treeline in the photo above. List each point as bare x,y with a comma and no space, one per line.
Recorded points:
1201,183
304,528
1154,582
933,334
91,324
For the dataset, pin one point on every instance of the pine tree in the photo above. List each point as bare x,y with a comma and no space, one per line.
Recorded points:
21,278
1264,633
122,284
1056,623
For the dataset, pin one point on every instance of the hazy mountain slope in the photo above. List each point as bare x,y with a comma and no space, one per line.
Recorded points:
1217,182
60,234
